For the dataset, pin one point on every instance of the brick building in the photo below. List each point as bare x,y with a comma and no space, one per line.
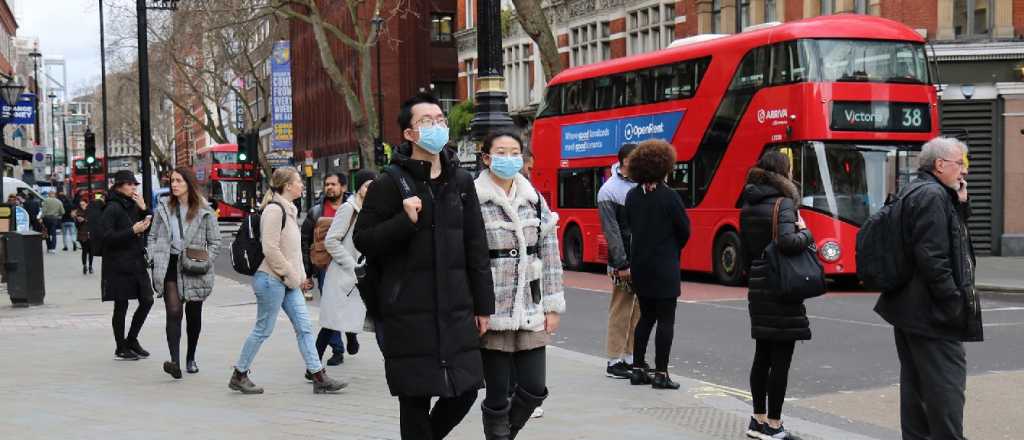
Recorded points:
419,55
977,47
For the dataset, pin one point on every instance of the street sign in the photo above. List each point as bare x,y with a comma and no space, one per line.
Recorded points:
353,161
309,170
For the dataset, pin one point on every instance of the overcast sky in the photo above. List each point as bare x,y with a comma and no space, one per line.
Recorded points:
65,27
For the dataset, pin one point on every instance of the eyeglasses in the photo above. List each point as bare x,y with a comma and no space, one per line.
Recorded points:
959,163
428,122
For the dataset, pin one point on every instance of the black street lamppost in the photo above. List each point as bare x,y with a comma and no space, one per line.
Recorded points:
103,81
53,134
378,143
491,109
35,78
144,127
10,91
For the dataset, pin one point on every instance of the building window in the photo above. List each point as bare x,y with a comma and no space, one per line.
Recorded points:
716,17
589,44
470,84
441,28
745,14
770,11
470,13
972,18
828,7
445,92
518,74
860,6
651,28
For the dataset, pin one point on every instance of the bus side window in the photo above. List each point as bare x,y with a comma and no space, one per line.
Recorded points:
586,95
572,98
604,93
577,187
679,181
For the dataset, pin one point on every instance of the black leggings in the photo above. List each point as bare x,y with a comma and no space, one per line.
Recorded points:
193,312
663,312
86,253
139,318
419,422
770,374
529,367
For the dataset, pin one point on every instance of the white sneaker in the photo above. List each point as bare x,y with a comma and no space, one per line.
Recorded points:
537,413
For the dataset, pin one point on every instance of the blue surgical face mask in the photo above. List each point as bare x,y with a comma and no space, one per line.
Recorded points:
506,167
433,139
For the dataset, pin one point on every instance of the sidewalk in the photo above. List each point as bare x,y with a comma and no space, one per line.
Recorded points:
1003,275
60,381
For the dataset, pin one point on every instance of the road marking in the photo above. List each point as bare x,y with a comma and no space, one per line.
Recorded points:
823,318
1003,324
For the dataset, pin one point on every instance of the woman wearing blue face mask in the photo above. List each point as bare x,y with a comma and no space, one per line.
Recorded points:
528,293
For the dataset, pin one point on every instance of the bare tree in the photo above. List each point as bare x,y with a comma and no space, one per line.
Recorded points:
531,17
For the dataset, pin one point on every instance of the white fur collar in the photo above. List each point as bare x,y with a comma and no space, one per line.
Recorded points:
489,191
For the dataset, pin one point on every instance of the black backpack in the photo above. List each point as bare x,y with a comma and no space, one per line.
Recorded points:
247,249
883,262
367,271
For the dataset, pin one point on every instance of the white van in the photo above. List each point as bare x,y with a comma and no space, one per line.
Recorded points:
16,186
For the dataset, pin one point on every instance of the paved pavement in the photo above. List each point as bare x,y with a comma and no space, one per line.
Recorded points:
1001,275
60,381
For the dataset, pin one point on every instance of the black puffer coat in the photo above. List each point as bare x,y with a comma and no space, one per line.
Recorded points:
770,317
435,277
124,272
940,301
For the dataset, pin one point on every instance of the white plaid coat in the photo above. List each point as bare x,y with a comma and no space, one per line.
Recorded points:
513,224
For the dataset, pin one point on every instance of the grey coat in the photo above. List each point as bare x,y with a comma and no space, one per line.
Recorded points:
201,231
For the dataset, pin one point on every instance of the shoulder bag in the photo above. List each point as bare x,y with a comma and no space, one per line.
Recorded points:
195,260
794,277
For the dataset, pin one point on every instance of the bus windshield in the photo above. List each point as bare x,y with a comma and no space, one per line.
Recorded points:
83,168
222,157
868,61
850,181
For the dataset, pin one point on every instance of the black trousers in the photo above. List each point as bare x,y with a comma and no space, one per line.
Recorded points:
52,224
655,311
420,422
529,368
769,375
86,253
933,378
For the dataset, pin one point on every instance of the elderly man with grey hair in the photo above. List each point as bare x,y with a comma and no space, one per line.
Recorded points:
938,309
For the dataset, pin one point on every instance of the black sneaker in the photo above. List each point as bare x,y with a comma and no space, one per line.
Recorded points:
640,375
619,370
173,369
133,345
336,359
662,381
125,354
352,343
755,429
779,433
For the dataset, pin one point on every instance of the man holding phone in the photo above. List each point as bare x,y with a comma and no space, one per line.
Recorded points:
125,277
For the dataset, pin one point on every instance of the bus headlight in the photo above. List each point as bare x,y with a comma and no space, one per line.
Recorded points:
830,252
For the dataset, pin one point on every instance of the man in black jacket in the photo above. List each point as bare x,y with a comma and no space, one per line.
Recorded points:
938,309
435,293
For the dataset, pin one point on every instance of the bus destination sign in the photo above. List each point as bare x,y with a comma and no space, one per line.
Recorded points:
603,138
880,116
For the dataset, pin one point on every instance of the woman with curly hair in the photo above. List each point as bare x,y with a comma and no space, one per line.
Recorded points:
661,228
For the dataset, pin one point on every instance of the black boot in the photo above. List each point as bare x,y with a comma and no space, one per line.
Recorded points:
323,384
641,375
523,404
496,425
663,382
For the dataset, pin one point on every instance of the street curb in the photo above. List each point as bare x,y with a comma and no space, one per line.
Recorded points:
999,290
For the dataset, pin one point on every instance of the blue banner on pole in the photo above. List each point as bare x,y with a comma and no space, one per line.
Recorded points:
23,112
604,138
280,153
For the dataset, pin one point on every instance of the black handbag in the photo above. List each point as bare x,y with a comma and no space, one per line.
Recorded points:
794,277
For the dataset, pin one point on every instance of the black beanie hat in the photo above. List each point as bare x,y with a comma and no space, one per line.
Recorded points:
361,177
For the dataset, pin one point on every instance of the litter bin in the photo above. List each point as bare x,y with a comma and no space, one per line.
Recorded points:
24,267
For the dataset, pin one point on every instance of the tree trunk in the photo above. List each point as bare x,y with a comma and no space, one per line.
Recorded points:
531,17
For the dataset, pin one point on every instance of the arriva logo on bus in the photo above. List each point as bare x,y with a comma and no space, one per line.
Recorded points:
766,115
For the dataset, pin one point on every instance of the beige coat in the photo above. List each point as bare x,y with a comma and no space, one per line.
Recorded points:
282,248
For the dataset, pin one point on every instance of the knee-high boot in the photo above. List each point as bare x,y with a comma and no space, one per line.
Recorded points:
523,404
496,426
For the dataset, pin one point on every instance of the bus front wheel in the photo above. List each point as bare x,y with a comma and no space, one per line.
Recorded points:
729,262
572,248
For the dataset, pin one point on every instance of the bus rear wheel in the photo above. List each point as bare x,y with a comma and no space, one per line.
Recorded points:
572,248
729,262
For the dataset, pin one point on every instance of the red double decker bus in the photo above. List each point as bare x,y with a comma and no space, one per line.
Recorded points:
82,174
228,185
847,97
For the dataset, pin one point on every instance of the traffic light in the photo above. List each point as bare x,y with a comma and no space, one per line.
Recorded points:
379,157
244,150
90,147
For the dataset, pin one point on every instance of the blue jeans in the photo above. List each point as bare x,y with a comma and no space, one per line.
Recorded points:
335,342
70,234
272,296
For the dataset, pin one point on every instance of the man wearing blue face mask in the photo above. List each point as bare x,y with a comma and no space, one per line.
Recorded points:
422,233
